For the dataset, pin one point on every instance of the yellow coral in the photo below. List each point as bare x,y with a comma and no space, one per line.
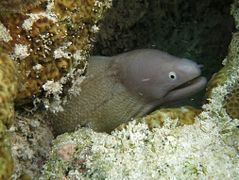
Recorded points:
47,39
51,35
5,154
181,115
8,88
7,6
231,101
8,91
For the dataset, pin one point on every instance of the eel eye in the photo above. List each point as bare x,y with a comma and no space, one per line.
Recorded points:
172,75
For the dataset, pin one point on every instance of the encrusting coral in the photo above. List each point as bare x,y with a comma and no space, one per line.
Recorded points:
17,5
181,116
49,39
8,91
231,100
195,151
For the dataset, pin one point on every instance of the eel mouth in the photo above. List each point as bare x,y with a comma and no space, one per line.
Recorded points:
188,83
186,89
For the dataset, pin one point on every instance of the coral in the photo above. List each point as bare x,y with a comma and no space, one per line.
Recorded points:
231,102
49,39
8,91
221,79
196,151
7,7
183,115
231,99
6,162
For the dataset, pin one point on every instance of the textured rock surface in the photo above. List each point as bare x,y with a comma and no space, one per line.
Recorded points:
31,144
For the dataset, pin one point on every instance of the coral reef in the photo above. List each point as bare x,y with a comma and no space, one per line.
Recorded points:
205,148
170,152
49,39
8,91
221,99
232,102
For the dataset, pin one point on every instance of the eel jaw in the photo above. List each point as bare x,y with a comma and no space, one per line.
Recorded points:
186,89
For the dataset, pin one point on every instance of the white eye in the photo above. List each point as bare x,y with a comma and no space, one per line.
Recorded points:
172,75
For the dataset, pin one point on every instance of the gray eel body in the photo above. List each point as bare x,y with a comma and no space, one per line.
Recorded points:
128,85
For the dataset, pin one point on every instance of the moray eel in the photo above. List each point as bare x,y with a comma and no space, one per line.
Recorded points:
125,86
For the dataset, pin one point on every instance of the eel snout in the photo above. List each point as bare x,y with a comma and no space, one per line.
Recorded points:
186,89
